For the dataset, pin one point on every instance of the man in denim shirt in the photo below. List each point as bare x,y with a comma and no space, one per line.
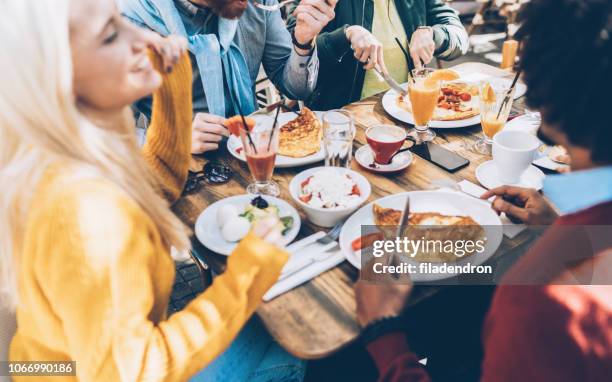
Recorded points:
229,41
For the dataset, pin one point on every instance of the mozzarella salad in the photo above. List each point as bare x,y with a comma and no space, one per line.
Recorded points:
329,189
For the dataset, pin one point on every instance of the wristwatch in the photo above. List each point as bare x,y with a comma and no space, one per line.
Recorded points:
426,27
382,326
308,46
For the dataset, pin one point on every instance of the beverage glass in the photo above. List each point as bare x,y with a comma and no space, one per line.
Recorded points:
493,115
260,156
385,141
513,152
338,135
424,96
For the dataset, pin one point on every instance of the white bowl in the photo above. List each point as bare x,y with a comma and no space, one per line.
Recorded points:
329,217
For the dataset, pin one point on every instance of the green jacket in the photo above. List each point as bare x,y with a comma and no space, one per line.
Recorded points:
341,75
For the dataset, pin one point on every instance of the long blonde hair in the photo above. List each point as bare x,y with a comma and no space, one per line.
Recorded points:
41,125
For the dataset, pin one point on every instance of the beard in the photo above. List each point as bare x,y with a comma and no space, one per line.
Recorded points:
228,9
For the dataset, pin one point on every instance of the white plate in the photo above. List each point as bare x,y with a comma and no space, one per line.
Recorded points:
234,144
448,203
365,157
470,72
486,174
477,71
208,232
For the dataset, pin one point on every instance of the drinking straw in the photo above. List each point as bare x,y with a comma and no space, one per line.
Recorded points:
244,123
278,109
408,59
507,96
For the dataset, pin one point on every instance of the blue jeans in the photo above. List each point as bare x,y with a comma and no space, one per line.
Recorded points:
254,357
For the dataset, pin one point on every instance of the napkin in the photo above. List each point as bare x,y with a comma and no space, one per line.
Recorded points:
292,276
511,230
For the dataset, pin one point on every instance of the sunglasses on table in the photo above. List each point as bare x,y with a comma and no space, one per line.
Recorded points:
211,173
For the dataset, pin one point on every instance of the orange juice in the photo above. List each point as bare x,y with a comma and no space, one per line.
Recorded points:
424,99
509,50
492,126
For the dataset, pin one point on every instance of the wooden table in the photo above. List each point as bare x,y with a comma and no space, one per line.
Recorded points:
318,318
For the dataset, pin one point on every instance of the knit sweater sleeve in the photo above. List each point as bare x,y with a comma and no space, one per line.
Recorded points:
103,278
168,146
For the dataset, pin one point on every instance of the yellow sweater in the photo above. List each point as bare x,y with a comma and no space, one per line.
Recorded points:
95,277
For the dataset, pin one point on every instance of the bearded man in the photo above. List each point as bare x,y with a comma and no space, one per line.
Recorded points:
229,40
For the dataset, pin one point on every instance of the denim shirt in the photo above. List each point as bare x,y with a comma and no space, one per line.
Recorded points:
264,40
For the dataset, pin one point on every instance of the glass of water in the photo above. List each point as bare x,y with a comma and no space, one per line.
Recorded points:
338,135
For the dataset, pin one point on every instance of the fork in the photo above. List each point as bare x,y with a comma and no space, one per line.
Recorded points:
332,235
306,259
274,7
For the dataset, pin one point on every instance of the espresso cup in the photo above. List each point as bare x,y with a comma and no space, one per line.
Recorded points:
513,152
385,141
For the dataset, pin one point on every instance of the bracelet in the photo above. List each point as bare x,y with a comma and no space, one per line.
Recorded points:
380,327
426,27
307,46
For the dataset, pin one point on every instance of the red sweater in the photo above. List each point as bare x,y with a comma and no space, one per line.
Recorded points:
533,332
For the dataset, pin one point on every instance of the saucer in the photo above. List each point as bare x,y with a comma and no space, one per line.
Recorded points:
365,157
486,174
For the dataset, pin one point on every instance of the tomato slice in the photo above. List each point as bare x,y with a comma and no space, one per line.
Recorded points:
306,198
305,183
366,241
465,97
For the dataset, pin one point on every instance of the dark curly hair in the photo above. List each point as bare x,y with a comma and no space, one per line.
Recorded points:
566,59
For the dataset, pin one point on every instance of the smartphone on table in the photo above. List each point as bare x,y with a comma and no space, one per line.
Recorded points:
440,156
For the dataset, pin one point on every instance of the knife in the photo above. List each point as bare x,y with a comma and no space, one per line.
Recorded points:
402,225
405,217
390,81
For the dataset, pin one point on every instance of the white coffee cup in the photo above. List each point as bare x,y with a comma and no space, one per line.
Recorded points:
513,152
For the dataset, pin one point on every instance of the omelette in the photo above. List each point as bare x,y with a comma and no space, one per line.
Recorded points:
301,137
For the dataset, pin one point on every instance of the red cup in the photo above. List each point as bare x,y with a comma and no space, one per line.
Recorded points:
385,141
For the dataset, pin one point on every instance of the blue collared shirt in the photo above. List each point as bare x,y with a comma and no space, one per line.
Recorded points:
264,41
579,190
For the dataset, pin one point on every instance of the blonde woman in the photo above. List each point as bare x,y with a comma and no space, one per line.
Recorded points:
84,230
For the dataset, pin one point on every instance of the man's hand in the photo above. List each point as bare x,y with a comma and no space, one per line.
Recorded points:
366,47
311,17
523,204
375,301
422,46
208,130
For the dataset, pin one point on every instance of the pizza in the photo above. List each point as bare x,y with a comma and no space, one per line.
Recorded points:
301,137
457,101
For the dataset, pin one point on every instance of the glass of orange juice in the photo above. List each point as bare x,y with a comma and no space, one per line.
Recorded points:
423,93
493,114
